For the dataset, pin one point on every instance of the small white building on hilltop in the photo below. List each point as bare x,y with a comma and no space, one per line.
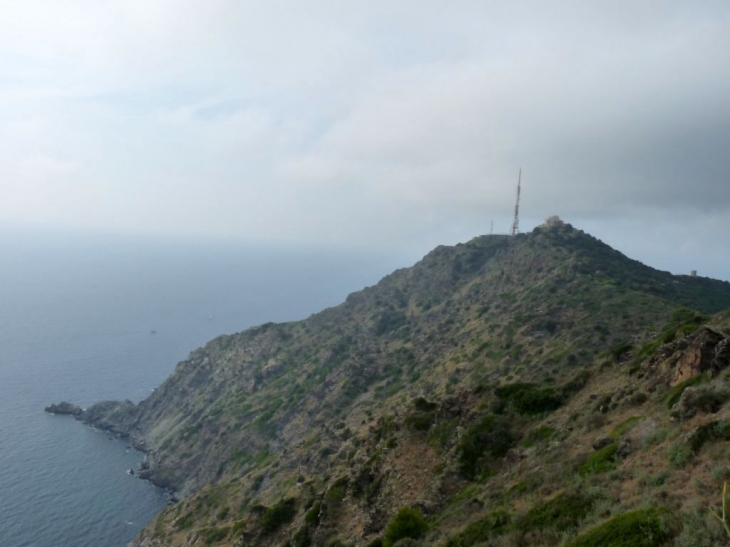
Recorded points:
552,221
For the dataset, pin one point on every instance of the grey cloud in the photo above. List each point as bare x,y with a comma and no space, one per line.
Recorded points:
362,122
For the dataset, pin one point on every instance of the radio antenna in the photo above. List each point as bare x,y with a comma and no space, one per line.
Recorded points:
516,223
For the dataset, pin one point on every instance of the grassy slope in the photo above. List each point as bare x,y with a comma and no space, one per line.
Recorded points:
287,411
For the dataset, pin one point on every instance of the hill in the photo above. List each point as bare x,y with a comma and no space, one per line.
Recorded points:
457,401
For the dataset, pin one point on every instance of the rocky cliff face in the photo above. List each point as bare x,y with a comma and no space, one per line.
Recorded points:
460,374
681,360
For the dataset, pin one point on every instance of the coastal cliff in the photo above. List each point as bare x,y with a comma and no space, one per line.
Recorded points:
452,400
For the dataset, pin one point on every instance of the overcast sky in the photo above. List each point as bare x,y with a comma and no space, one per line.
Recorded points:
372,124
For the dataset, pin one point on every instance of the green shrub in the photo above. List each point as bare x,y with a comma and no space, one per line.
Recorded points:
600,461
562,512
214,535
683,451
657,479
441,433
647,350
673,395
577,382
301,538
424,405
481,530
526,398
714,431
618,351
278,515
491,437
185,522
407,523
704,399
679,454
420,421
644,528
337,491
637,399
624,427
389,321
542,433
312,516
700,529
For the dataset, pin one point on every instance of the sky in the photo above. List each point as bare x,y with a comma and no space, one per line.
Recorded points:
370,124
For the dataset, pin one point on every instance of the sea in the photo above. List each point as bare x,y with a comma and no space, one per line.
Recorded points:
89,318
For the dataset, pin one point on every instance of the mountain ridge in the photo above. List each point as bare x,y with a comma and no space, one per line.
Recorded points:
283,412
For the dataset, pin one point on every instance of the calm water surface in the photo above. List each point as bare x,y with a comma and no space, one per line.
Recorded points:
76,322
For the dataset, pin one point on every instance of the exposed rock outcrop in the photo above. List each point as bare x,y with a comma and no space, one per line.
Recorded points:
117,417
707,349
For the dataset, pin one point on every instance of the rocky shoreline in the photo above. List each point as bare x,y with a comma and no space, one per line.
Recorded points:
117,418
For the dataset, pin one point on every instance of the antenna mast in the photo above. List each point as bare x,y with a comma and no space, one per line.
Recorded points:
516,224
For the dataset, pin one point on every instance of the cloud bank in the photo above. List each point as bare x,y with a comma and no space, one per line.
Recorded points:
362,123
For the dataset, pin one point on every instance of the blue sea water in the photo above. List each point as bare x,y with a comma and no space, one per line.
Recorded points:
76,322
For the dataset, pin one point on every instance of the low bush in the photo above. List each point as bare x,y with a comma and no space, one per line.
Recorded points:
312,516
490,438
526,398
424,405
624,427
535,436
619,351
278,515
714,431
683,451
336,492
562,512
301,538
481,530
214,535
643,528
679,454
420,421
700,529
185,522
657,479
599,461
704,399
576,383
672,396
407,523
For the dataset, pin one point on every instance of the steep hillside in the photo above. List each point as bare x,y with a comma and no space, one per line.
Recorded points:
453,400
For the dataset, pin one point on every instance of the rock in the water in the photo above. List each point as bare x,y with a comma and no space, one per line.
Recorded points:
64,408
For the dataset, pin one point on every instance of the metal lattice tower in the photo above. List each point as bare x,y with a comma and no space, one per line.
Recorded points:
516,223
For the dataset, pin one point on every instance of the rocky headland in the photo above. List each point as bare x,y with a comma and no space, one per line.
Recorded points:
528,390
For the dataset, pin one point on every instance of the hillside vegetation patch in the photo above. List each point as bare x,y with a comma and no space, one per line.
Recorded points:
486,440
527,398
407,523
643,528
